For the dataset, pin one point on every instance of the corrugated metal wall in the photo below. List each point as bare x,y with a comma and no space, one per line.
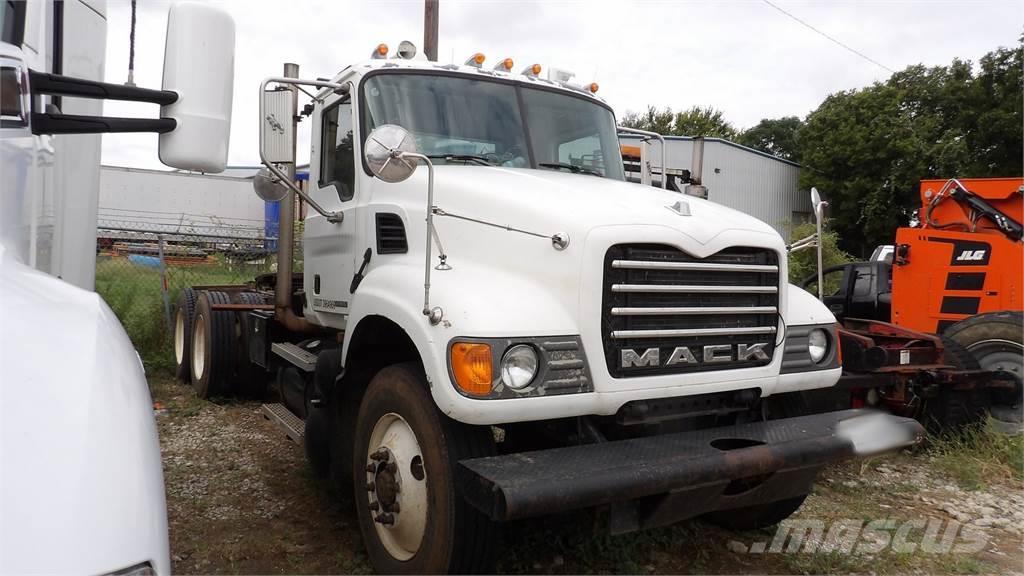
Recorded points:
750,181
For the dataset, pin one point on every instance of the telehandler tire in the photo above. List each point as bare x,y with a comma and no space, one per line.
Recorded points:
952,410
184,312
213,339
407,454
996,341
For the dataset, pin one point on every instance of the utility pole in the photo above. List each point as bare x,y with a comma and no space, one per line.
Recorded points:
430,9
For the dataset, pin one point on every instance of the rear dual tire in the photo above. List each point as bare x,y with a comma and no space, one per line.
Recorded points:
184,315
213,345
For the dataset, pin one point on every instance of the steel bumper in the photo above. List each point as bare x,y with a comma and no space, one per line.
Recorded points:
674,476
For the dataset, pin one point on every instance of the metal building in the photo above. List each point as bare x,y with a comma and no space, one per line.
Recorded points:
748,180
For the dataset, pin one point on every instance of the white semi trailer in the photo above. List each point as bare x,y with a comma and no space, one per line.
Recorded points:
81,484
487,328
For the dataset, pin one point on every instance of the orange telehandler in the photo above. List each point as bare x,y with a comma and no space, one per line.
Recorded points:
933,325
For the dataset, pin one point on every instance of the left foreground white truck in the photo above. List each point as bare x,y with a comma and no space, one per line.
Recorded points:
81,485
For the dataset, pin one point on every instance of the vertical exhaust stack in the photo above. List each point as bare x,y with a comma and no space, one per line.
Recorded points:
286,230
696,186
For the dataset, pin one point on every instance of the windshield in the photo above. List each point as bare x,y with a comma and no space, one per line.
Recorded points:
458,120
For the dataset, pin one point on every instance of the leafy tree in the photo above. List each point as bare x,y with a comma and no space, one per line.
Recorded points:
701,121
653,120
697,121
866,150
776,136
804,264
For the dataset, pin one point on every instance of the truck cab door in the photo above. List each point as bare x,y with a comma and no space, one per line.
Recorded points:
837,281
329,247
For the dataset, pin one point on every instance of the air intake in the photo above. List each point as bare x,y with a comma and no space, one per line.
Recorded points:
391,234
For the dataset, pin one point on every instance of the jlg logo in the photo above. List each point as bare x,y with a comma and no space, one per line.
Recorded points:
971,256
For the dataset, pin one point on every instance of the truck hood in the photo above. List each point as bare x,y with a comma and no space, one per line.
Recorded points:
547,202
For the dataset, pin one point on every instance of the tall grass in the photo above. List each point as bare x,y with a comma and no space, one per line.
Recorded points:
134,293
980,455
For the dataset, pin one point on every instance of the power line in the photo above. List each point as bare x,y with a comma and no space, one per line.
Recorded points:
857,52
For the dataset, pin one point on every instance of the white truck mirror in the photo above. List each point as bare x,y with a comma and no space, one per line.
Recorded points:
815,200
276,136
380,149
199,65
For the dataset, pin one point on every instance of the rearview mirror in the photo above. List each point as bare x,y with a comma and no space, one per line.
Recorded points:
199,65
380,149
815,200
268,187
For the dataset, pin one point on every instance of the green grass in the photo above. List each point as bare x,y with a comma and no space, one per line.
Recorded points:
979,456
135,295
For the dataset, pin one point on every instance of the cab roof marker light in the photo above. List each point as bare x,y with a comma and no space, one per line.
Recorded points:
532,71
505,65
381,51
593,87
476,60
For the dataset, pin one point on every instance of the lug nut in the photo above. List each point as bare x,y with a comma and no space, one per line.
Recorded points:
371,468
381,454
396,508
392,467
374,506
385,518
370,487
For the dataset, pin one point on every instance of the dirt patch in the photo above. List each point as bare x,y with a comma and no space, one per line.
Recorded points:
242,500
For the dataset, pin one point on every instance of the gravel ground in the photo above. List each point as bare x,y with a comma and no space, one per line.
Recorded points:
241,500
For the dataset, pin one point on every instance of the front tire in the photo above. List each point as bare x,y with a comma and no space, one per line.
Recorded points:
406,455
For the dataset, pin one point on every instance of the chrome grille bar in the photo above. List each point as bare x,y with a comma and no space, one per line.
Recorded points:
706,289
681,311
681,333
692,266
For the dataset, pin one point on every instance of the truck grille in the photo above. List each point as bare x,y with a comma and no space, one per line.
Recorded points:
666,312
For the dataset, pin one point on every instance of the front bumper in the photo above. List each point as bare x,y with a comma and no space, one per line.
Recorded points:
671,477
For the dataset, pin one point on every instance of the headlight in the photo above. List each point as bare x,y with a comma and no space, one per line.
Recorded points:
519,366
817,344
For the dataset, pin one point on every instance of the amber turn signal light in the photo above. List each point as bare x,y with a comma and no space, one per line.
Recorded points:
472,368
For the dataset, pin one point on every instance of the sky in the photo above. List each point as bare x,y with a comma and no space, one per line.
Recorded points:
743,57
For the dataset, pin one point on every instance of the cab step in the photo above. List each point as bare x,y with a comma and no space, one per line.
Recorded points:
302,359
292,425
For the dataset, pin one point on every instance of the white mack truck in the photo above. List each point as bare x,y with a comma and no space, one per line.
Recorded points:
492,324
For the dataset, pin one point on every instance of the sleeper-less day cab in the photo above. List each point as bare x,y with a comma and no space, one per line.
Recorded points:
491,324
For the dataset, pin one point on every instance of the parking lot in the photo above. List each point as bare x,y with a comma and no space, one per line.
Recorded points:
241,500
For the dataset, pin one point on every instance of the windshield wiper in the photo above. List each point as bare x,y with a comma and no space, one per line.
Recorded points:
462,158
570,167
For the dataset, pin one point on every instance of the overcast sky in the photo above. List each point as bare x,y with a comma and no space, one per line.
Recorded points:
743,57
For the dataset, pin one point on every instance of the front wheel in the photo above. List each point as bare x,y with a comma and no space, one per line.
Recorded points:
406,454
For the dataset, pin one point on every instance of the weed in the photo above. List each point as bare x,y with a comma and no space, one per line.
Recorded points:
980,455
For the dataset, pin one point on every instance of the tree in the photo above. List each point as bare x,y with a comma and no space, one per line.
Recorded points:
776,136
867,150
701,121
653,120
697,121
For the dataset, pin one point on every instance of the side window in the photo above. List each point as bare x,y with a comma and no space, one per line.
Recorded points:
12,22
337,155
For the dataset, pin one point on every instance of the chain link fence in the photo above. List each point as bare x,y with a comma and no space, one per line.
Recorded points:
142,263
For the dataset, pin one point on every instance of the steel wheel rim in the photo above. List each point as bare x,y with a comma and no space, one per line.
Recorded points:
179,337
999,354
199,347
404,535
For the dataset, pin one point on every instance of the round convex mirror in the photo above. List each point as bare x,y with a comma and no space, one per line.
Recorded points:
379,152
269,187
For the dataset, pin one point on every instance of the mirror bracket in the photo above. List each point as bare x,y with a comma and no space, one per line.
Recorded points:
332,217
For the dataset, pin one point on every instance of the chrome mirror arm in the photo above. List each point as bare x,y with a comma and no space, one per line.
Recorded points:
333,217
